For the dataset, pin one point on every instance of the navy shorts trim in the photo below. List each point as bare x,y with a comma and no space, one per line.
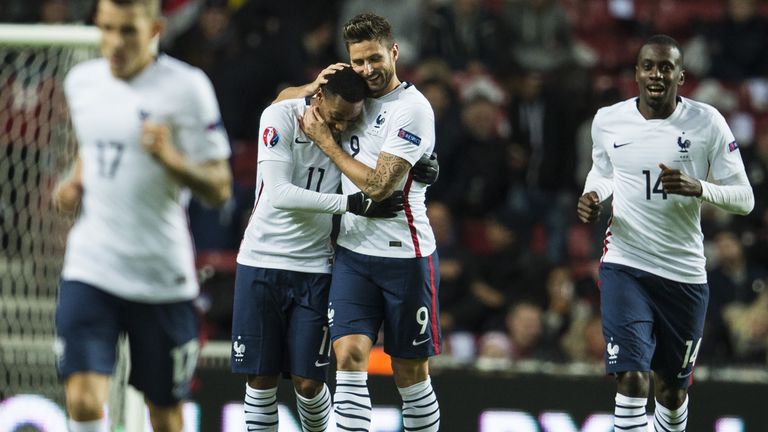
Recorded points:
651,323
398,295
280,323
162,338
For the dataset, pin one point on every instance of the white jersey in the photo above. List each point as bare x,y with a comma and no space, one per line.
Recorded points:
400,123
657,232
292,237
131,238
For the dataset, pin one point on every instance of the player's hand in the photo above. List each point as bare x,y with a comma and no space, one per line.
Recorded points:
362,205
322,77
426,169
674,181
156,140
589,207
315,128
67,196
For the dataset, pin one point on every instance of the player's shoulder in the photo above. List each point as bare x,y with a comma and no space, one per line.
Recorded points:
288,108
696,108
410,101
617,111
88,71
173,70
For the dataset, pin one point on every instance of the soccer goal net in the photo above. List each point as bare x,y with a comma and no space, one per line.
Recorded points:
36,147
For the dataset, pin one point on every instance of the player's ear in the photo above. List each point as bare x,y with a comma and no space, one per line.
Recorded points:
682,78
395,52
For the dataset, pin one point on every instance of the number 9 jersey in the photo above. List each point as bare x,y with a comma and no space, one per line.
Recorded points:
131,238
651,230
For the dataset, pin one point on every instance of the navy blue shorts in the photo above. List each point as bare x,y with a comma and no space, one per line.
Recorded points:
280,324
651,323
162,337
400,293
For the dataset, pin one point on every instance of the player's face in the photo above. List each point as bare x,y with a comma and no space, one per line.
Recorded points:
376,63
338,113
659,71
127,33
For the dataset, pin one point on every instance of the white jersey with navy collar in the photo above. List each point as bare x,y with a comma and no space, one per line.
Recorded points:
649,229
132,238
400,123
289,239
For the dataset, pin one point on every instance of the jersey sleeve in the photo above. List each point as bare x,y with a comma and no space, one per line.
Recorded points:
204,137
724,155
276,131
600,177
411,132
284,195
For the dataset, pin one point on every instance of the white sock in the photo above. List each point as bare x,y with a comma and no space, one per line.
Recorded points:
421,411
88,426
261,409
667,420
315,412
629,414
351,402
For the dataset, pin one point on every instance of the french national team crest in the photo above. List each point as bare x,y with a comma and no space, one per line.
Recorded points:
270,136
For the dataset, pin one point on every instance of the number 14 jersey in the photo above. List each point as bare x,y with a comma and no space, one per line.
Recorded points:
650,229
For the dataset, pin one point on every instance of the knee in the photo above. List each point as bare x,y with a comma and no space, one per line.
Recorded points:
671,398
306,387
351,356
84,406
409,371
166,419
634,384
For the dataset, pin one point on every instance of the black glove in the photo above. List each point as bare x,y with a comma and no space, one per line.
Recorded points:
426,169
361,204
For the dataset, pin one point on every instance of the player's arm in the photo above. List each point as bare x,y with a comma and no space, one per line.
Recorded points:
379,182
69,190
284,195
733,194
210,180
309,89
599,184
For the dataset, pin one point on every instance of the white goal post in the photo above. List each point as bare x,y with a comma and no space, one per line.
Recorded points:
43,35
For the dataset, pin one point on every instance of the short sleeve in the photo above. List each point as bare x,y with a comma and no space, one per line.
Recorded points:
724,155
203,138
411,132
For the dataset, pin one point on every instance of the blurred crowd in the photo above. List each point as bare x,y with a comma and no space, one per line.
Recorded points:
514,85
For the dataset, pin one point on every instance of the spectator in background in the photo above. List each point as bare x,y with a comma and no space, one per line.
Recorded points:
442,98
541,160
462,32
734,283
522,337
506,274
584,341
738,43
477,179
539,34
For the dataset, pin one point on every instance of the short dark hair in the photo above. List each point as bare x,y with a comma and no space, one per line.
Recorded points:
152,7
347,84
365,27
664,40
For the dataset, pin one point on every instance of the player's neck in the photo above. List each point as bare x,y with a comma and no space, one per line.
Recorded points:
144,65
659,112
393,84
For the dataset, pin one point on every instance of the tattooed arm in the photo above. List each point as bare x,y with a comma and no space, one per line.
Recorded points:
378,183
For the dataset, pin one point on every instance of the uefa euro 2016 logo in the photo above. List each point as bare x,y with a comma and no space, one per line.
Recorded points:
270,136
